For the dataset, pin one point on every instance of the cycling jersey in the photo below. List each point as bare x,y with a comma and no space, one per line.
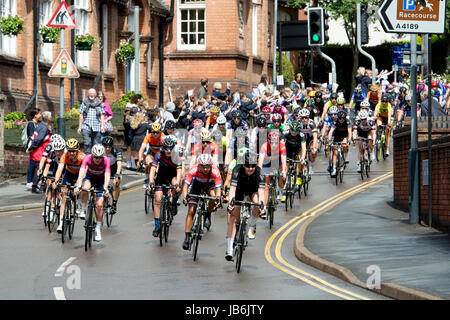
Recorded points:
328,105
341,130
232,126
363,129
245,184
114,157
48,149
167,169
374,98
319,105
196,176
328,121
153,145
293,143
199,149
266,150
283,111
96,171
358,99
281,128
53,161
72,166
383,111
308,129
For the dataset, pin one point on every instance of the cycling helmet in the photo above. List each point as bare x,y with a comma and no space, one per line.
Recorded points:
250,157
107,141
363,114
59,144
236,114
278,103
221,120
273,137
293,125
98,150
73,144
421,82
365,104
340,100
276,116
242,151
214,109
261,121
374,87
333,110
241,132
434,83
265,109
402,90
205,135
170,124
156,127
204,159
384,98
342,115
310,103
357,90
197,123
312,94
318,94
168,143
408,97
304,113
334,96
55,136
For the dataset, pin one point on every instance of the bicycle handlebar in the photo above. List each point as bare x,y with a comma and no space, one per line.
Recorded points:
200,197
247,203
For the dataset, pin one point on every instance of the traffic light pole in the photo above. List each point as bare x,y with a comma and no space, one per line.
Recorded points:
333,67
358,37
275,35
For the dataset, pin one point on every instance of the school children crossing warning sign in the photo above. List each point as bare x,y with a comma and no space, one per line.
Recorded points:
63,67
62,18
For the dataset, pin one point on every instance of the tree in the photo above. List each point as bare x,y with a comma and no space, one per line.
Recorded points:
345,10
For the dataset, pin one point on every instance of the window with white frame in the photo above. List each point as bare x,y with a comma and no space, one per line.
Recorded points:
45,14
82,16
192,25
241,19
8,44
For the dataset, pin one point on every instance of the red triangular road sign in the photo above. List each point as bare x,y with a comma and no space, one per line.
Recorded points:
62,18
63,67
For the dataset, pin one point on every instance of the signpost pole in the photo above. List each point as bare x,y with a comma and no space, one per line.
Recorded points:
61,119
275,35
358,37
430,153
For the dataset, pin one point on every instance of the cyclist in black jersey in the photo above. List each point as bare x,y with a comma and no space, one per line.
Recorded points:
247,180
295,142
309,128
165,172
115,156
259,134
342,130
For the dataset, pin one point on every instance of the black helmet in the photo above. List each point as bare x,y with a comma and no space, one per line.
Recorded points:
261,121
318,94
250,157
310,103
334,95
170,124
236,114
107,141
402,90
294,125
385,98
342,115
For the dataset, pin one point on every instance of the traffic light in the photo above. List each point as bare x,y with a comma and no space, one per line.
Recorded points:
364,25
325,26
316,32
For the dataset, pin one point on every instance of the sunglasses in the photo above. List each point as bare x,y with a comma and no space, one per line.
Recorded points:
305,117
72,151
167,148
250,166
98,158
206,166
206,142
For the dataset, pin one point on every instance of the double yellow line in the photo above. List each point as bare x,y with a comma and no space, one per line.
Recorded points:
298,273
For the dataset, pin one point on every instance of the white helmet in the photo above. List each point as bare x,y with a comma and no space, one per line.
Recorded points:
333,110
408,97
55,136
363,114
98,150
365,104
221,119
204,159
59,144
304,113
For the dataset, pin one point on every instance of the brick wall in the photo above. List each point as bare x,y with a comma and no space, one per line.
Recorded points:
16,160
440,173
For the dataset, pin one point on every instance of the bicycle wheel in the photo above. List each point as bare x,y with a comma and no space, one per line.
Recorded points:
66,220
108,208
383,148
168,222
162,221
147,201
88,228
196,238
366,163
362,164
240,245
378,150
72,218
306,182
338,167
286,193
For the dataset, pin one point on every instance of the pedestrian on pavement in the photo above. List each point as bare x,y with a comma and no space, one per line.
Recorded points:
131,109
203,89
366,81
39,140
297,84
436,108
36,117
108,113
359,75
92,120
140,128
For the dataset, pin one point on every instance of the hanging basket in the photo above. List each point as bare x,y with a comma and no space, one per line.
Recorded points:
84,46
47,39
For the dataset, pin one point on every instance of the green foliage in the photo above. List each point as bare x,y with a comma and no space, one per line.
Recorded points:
125,53
287,69
11,25
84,39
121,103
49,34
15,116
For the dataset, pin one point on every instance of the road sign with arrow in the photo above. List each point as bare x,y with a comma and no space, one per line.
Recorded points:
413,16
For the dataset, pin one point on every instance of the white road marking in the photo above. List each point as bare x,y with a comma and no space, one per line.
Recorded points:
59,293
62,268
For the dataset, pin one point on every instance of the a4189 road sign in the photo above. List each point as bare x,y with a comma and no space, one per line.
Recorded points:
413,16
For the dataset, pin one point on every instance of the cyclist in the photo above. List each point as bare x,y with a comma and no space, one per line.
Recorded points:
341,106
240,139
203,178
115,157
150,146
212,119
319,103
273,155
400,105
51,167
314,113
235,122
309,129
364,128
47,151
259,133
247,180
205,147
358,96
383,115
95,172
437,93
295,142
69,167
373,96
194,135
279,109
328,105
277,123
165,172
267,114
342,130
169,127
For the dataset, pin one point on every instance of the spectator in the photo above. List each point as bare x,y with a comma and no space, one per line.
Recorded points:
262,86
167,114
203,89
216,92
402,76
36,117
359,75
140,127
297,83
108,112
130,110
39,140
437,110
366,81
92,120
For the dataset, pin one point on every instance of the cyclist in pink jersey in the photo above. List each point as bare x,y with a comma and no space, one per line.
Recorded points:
95,172
277,107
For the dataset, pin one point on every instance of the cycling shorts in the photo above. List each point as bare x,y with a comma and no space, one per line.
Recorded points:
96,183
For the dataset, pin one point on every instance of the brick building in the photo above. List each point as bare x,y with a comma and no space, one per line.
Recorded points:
223,40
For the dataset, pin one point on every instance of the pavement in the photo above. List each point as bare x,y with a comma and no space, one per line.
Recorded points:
365,235
14,196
